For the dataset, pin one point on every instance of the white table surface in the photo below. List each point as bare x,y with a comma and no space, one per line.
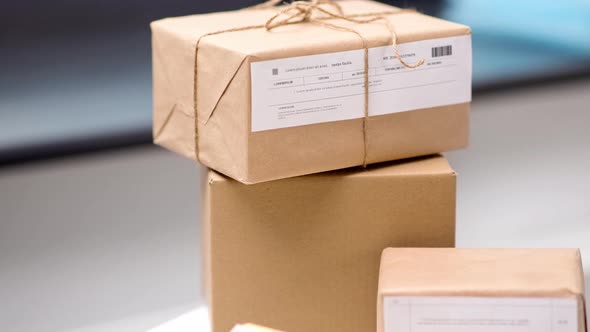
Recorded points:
110,241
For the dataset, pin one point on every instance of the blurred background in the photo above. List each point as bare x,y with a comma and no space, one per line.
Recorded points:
99,229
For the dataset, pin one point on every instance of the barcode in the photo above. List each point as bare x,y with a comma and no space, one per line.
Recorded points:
442,51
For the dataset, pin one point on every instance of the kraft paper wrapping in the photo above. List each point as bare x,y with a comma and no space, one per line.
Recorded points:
482,272
252,328
226,142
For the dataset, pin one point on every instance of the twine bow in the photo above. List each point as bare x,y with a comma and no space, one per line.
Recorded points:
305,12
298,11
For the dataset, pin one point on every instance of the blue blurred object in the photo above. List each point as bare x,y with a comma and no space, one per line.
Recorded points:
76,77
524,39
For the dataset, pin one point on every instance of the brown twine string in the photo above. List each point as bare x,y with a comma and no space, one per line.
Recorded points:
302,11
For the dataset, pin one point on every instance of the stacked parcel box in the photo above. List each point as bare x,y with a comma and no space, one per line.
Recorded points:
275,102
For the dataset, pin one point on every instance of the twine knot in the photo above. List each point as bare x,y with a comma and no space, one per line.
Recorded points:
301,11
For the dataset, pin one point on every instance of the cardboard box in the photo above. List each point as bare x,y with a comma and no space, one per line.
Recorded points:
305,112
427,290
302,254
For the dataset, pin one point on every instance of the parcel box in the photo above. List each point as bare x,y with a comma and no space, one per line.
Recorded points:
481,290
302,254
259,105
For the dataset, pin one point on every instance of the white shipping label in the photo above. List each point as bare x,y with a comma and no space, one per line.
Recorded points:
330,87
479,314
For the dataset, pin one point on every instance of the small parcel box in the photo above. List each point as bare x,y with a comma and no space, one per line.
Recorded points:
481,290
258,105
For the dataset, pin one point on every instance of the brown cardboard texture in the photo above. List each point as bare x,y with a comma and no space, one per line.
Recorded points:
302,254
226,142
481,272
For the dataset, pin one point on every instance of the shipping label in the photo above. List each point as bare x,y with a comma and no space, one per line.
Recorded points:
328,87
479,314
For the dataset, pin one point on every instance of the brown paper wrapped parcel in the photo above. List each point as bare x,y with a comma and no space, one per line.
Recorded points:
252,328
302,254
291,101
481,290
